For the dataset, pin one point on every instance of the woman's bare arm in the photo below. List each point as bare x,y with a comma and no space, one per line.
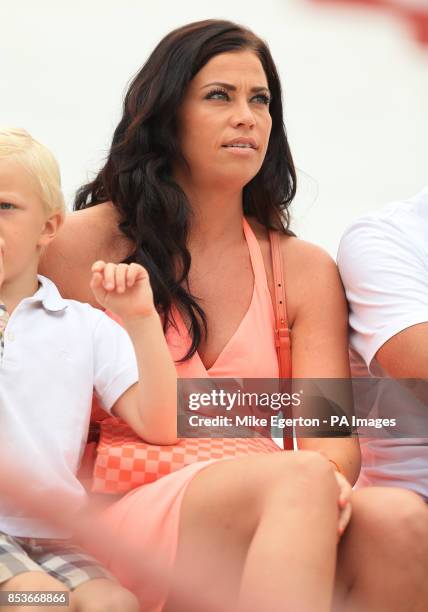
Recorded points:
87,236
319,319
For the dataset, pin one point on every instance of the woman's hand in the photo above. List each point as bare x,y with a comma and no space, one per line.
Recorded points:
345,507
123,289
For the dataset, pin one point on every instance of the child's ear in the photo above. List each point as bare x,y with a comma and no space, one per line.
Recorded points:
50,229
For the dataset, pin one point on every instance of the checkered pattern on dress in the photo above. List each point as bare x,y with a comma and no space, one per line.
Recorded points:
4,317
125,462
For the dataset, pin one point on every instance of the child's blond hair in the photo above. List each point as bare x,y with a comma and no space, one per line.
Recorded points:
18,144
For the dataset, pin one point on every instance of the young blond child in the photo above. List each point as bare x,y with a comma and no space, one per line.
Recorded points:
53,353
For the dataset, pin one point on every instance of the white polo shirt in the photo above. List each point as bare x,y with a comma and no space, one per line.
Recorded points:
383,261
56,352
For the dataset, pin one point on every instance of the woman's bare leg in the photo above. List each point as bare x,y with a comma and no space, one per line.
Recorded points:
261,530
383,555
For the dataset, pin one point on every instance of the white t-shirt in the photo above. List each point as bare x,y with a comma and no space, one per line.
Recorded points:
56,352
383,261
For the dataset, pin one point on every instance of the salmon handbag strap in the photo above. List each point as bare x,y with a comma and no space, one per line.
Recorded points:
282,332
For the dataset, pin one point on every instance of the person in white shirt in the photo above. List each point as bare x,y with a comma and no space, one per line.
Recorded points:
383,261
53,353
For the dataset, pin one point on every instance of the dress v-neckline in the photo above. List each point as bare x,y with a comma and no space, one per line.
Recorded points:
232,339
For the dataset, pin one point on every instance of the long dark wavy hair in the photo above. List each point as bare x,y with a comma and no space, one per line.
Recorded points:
137,176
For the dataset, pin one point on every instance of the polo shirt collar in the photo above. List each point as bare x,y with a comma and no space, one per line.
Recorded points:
48,295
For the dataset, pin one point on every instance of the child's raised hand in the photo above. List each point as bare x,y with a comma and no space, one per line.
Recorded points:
123,289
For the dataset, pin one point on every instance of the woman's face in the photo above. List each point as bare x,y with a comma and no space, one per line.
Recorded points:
224,122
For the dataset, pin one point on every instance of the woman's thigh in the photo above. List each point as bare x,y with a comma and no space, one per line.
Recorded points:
223,505
230,495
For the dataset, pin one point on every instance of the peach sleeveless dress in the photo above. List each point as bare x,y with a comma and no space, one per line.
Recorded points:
148,517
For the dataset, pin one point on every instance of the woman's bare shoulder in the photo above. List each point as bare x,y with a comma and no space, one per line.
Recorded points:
103,218
308,265
306,257
312,280
297,254
87,235
311,275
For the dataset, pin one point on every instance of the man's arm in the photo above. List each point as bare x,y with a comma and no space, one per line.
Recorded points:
405,355
386,280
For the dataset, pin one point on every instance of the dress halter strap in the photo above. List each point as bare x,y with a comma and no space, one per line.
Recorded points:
255,256
282,332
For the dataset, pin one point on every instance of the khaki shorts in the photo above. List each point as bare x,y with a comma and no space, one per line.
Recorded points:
60,559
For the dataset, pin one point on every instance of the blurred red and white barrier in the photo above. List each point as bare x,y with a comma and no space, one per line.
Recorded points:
414,12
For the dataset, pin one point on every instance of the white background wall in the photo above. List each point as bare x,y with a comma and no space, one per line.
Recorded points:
355,83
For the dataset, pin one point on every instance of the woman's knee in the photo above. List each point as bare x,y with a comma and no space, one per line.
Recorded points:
306,472
236,492
265,483
298,476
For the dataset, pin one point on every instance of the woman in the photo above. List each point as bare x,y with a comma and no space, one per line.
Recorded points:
198,171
